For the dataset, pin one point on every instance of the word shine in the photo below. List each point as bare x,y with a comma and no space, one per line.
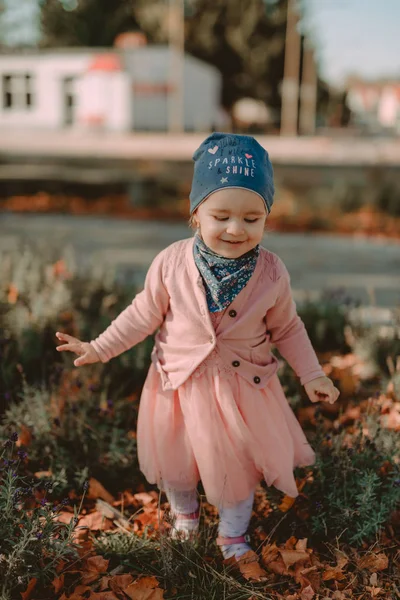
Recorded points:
234,165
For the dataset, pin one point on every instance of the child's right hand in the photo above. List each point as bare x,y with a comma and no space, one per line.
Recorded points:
87,354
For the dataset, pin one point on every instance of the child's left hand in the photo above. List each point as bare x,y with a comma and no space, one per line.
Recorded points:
323,389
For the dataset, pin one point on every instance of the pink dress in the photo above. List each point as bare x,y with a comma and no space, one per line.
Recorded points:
218,428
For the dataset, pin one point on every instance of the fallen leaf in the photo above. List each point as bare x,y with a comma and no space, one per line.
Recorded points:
278,567
307,594
374,562
95,521
269,553
307,577
374,591
250,568
42,474
31,586
103,596
373,580
290,557
335,573
58,583
286,504
119,583
97,490
144,588
301,545
144,497
24,437
12,296
341,560
95,566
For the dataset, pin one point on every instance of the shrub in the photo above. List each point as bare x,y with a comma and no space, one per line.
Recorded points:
77,433
325,320
356,482
40,295
32,541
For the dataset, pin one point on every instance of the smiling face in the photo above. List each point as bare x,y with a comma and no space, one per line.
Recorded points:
231,221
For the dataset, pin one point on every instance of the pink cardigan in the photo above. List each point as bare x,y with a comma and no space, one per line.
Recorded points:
174,300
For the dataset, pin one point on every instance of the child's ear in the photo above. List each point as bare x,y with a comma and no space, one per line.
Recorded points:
193,222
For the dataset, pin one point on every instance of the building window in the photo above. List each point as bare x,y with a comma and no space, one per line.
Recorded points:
28,90
18,91
7,95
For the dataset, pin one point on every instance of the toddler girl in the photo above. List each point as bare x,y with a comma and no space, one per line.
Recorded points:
212,407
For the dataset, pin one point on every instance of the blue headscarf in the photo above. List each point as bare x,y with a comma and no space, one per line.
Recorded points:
223,277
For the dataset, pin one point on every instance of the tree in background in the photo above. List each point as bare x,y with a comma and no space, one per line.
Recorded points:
85,23
245,41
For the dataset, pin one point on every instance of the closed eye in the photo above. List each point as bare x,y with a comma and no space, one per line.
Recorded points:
226,218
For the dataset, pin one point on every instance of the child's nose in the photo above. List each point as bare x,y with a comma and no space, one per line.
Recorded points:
234,227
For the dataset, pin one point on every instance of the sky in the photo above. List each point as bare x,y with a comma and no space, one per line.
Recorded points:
355,37
351,36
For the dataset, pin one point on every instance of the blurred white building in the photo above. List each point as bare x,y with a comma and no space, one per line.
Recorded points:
375,105
121,89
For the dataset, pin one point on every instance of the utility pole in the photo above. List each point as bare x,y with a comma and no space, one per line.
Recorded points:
176,33
308,91
290,83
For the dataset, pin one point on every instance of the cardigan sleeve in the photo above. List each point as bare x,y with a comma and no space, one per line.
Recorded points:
289,334
138,320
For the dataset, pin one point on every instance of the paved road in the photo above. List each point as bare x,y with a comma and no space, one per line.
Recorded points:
368,269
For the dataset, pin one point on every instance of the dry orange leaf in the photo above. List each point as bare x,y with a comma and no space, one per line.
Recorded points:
42,474
144,588
333,573
31,586
12,296
269,553
58,583
307,594
374,591
24,436
286,504
103,596
250,568
97,490
95,521
119,583
95,566
301,545
307,577
374,562
290,557
144,497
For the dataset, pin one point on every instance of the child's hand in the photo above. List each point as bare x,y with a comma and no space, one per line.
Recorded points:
323,389
87,354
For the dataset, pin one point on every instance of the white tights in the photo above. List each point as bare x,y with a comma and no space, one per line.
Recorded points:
234,520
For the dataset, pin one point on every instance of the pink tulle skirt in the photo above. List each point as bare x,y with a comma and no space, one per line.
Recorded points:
222,430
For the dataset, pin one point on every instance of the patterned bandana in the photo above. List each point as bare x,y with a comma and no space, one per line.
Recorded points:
223,277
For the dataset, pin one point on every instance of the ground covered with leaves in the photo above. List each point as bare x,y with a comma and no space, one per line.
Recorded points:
77,518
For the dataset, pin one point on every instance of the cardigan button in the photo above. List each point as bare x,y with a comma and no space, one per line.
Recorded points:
256,379
235,363
232,313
